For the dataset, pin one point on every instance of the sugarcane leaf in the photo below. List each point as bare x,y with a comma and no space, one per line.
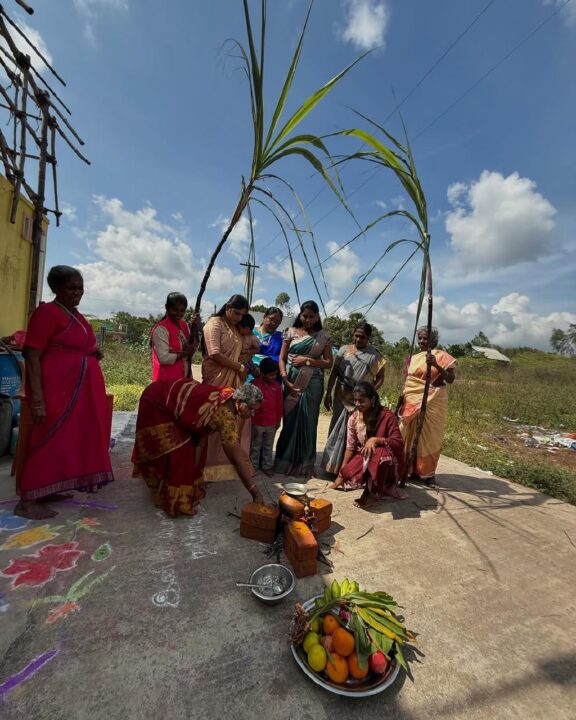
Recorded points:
310,103
279,109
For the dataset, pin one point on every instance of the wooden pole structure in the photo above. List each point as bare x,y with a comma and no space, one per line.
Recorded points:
42,100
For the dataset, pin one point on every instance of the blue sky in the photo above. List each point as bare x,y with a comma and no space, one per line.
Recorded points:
164,111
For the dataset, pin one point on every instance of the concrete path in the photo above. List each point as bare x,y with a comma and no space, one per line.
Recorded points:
157,629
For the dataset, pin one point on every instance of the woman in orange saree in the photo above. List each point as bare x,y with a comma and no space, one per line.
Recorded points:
175,422
66,412
442,373
221,366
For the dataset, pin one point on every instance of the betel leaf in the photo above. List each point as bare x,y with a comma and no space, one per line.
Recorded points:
400,657
362,641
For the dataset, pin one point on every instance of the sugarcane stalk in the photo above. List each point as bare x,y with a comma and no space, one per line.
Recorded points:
422,414
240,207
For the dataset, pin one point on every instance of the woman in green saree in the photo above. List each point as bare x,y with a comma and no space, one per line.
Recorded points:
306,352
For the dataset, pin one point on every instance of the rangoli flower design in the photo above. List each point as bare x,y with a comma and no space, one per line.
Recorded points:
40,568
32,536
10,522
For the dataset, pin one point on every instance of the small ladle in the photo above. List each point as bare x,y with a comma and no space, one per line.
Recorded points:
276,589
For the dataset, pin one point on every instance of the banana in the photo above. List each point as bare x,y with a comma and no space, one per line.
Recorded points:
354,587
327,595
335,589
344,587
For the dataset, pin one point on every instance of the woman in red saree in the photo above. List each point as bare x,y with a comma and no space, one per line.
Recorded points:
175,421
374,456
173,341
68,444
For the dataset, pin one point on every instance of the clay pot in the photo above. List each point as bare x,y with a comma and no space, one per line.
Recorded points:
290,507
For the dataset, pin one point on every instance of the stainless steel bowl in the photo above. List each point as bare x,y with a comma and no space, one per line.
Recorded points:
295,490
270,575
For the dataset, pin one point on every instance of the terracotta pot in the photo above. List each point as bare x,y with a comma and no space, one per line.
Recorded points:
291,507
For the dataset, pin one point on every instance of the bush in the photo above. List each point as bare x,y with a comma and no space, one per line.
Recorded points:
126,397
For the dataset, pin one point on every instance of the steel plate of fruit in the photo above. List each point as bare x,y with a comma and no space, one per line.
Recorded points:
349,641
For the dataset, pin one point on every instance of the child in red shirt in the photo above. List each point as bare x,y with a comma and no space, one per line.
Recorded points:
267,418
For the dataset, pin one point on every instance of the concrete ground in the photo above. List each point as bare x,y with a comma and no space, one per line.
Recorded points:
157,629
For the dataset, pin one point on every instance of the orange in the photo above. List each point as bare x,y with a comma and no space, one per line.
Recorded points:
343,642
330,624
355,669
337,668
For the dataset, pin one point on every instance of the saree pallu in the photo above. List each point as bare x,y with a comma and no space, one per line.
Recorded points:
384,469
221,337
170,447
432,436
354,366
296,447
70,450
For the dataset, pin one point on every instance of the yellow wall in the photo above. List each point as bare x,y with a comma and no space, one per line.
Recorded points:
15,261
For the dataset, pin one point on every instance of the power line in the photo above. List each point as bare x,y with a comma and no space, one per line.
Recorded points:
492,69
393,112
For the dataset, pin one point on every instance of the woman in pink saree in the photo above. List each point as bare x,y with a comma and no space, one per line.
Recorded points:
221,367
67,445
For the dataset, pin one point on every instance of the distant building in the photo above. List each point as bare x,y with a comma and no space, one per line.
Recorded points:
16,260
490,353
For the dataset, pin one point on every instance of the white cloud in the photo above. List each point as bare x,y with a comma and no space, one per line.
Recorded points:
568,11
366,23
35,38
510,322
341,271
498,221
138,260
282,269
238,242
68,211
89,10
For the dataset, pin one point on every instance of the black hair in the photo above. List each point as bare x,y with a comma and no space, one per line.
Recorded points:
274,311
369,391
268,366
59,276
365,327
247,321
175,298
308,305
237,302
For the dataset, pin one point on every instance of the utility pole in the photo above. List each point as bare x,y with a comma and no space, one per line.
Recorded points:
249,284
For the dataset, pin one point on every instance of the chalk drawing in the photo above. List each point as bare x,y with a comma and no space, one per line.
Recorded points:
4,604
38,569
26,673
102,552
32,536
69,602
196,541
10,522
91,504
163,564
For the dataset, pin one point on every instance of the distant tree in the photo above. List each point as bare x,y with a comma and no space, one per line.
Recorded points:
564,342
460,350
283,302
135,327
480,340
258,308
403,344
342,329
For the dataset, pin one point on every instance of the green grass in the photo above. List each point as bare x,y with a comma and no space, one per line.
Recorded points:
537,388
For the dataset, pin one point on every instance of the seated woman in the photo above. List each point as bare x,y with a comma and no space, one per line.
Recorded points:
174,423
374,456
172,341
